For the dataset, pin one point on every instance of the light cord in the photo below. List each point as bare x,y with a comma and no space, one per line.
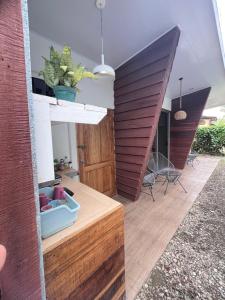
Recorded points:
102,41
180,92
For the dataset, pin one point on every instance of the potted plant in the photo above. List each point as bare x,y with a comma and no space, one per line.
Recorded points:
61,74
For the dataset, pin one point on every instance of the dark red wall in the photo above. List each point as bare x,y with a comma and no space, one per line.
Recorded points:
20,278
140,87
183,132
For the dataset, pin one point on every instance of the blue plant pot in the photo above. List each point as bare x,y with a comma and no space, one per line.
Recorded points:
65,93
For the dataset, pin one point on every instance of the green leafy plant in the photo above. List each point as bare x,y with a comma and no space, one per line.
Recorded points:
210,139
59,69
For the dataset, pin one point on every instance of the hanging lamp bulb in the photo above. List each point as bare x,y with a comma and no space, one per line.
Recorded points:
180,114
102,70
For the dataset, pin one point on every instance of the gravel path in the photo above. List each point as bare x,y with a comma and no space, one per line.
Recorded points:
193,265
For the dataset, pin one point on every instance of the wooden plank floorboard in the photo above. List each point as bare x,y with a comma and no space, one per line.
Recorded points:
149,226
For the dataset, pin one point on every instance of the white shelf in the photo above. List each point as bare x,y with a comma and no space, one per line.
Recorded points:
47,110
65,111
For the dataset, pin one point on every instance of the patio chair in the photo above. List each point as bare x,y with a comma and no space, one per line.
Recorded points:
161,166
149,181
192,157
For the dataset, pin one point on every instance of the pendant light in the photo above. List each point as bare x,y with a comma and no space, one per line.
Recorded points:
102,70
180,114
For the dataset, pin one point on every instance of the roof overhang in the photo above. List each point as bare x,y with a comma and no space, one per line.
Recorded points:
219,10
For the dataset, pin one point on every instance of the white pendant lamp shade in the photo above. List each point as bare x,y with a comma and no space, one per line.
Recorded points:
180,114
103,70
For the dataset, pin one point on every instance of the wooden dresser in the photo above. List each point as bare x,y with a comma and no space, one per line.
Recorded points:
86,261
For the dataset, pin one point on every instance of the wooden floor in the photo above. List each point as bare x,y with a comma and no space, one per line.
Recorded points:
149,226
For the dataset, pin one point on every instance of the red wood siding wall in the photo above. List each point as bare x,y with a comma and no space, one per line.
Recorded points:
20,278
140,87
183,132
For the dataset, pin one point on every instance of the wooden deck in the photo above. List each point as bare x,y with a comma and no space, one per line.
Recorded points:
149,226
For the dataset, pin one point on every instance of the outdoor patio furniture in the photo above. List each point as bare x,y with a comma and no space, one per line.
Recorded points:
162,167
192,157
149,181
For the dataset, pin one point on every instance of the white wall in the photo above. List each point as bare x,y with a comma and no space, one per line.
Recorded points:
167,103
96,92
60,141
64,142
73,145
43,141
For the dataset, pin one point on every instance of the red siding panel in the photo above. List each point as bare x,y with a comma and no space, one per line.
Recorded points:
140,87
132,142
183,132
141,83
139,94
138,123
129,158
136,114
145,102
131,150
144,58
135,168
127,174
20,278
142,73
140,132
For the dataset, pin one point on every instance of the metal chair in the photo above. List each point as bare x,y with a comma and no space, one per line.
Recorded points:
192,157
149,181
161,166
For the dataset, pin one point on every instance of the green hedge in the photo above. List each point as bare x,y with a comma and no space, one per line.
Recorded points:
210,140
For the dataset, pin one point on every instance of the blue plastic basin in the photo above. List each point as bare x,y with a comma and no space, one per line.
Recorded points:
59,217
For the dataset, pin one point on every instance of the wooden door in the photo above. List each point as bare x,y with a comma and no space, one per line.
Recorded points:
96,155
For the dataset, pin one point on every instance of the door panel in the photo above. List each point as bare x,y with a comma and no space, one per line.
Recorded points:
96,155
92,142
107,179
93,179
107,145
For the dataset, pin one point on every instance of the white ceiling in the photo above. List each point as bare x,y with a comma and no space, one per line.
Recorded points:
131,25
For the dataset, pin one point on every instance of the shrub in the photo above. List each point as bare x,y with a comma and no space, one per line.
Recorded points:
210,139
